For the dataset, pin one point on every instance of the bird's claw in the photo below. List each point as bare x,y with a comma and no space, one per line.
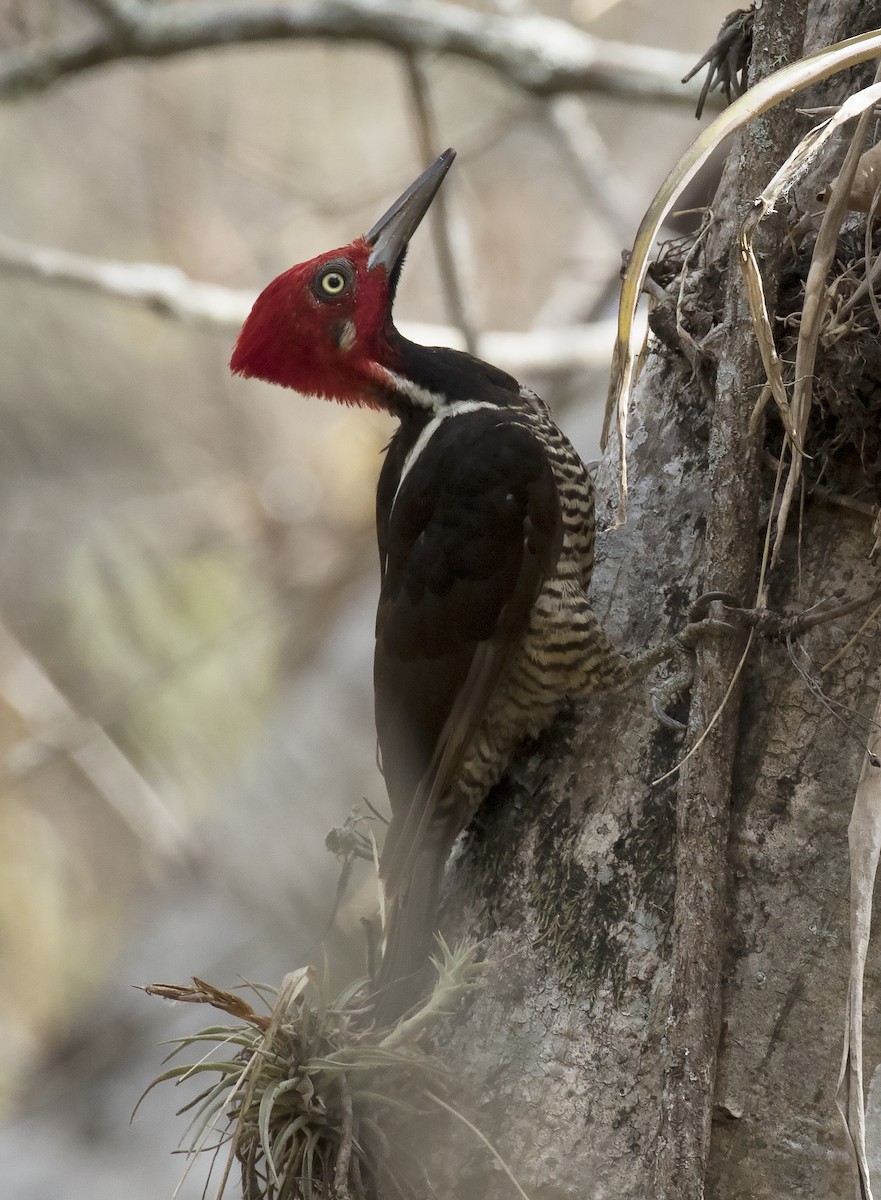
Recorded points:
683,648
700,607
663,717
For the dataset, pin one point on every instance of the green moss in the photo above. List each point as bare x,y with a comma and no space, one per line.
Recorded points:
576,915
649,847
584,917
497,837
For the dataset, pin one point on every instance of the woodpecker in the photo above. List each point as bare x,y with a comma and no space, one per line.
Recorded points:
485,527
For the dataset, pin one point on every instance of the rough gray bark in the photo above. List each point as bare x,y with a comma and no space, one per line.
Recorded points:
612,906
704,792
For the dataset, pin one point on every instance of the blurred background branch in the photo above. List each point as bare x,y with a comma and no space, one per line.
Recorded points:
449,262
533,52
168,292
52,726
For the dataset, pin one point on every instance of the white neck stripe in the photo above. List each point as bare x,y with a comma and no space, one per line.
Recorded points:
420,396
457,409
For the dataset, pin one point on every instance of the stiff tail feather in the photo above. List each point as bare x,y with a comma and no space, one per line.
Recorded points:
410,919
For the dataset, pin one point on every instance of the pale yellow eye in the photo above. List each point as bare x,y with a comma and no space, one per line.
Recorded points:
333,283
333,279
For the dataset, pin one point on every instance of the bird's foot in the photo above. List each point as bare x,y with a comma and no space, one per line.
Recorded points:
679,650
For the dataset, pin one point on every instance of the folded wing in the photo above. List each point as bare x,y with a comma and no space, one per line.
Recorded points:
466,543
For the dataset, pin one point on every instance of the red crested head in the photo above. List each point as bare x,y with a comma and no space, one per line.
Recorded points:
319,328
323,327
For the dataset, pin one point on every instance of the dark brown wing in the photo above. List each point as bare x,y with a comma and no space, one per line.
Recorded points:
472,534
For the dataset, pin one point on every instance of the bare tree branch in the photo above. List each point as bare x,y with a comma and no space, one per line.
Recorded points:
455,300
165,289
536,53
53,726
171,293
117,12
592,165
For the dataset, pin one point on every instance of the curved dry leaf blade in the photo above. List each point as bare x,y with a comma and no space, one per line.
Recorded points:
755,295
810,146
866,182
816,294
797,162
764,95
864,840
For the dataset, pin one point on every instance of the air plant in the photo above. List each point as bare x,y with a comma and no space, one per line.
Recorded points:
300,1094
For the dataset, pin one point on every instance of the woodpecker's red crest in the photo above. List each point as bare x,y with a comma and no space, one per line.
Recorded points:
324,327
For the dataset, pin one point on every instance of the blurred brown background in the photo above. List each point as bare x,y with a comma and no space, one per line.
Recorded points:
188,570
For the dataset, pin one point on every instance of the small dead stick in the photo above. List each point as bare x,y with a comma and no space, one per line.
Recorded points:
341,1174
774,624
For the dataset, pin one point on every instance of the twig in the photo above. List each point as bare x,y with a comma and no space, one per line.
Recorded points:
54,725
841,501
341,1174
821,492
171,294
165,289
346,1133
690,347
815,305
705,733
536,53
774,624
118,13
838,323
593,168
441,222
839,654
823,613
831,706
481,1136
761,600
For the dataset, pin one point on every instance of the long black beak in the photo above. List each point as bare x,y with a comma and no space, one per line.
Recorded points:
391,233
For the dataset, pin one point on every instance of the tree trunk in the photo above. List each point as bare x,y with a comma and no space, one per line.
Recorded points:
665,1013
